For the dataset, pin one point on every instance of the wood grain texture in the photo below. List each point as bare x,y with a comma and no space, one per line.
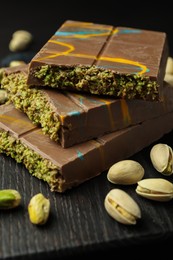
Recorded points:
78,223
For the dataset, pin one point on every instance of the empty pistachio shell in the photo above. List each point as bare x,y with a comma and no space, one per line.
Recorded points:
122,207
155,189
161,156
125,172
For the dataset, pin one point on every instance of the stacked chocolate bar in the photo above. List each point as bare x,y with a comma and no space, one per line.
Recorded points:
94,94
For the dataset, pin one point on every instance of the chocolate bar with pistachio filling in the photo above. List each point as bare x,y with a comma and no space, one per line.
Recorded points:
102,59
70,118
63,169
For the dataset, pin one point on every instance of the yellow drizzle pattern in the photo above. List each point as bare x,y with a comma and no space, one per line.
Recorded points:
69,48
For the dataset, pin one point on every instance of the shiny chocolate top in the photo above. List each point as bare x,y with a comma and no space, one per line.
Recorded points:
122,50
84,161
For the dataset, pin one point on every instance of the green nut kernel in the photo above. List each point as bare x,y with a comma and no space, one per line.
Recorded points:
9,199
39,209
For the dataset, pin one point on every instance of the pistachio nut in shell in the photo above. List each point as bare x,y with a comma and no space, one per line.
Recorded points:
122,207
125,172
161,156
158,189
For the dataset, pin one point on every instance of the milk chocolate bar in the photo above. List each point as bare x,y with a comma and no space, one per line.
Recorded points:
63,169
70,118
102,59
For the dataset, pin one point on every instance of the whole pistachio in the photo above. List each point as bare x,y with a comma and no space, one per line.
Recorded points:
39,209
158,189
9,199
125,172
122,207
20,41
161,156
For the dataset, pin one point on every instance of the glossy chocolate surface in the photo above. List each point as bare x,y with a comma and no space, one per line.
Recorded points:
122,50
83,117
82,162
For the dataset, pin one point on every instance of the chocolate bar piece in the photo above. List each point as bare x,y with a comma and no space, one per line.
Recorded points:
64,169
71,118
103,60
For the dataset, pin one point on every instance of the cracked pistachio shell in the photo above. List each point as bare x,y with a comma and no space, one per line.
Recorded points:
161,156
125,172
122,207
157,189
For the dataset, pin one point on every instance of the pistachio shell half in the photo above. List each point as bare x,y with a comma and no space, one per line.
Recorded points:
161,156
155,189
122,207
125,172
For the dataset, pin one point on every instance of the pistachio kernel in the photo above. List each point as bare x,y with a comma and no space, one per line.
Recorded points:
9,199
39,209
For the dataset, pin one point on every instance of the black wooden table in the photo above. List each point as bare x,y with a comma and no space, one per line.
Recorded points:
78,224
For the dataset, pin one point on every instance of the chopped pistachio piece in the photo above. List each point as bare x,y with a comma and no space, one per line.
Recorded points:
98,81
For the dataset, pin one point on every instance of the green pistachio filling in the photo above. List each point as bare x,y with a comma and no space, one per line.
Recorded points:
36,165
33,102
96,80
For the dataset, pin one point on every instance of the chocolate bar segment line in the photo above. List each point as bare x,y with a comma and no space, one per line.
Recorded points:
102,59
70,118
63,169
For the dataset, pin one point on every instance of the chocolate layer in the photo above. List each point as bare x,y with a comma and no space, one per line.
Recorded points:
63,169
102,59
71,118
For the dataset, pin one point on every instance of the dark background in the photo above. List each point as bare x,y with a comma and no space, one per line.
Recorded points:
43,19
